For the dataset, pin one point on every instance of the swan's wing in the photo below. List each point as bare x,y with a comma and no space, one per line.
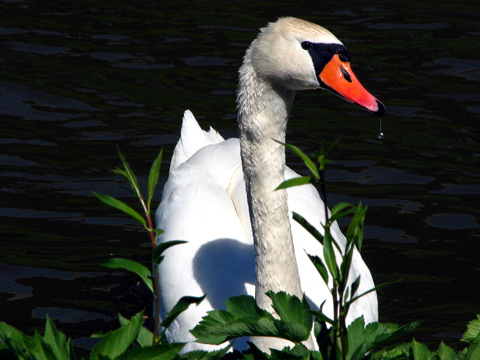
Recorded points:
218,259
192,139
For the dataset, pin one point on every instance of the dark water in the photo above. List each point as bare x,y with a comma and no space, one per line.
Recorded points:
78,80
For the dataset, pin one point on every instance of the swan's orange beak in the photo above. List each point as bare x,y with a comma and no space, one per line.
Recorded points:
338,77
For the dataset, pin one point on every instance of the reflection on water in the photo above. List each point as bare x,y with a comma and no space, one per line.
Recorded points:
79,79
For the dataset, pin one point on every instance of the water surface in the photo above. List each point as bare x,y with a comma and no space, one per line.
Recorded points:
78,80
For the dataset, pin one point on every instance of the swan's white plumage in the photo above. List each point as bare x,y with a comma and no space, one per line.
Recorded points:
204,202
205,198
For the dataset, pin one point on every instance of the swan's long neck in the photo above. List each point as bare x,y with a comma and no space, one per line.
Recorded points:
263,112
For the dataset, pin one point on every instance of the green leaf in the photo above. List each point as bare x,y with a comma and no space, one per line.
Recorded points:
244,318
445,352
307,226
302,180
309,163
472,334
16,345
473,352
157,256
364,339
291,309
153,178
120,205
354,286
421,352
329,255
145,336
355,229
378,287
133,266
116,342
180,307
60,346
129,175
320,266
338,212
156,352
322,317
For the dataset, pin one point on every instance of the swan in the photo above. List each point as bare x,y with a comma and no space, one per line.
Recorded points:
220,195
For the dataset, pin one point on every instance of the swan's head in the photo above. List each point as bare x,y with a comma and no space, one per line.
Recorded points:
298,55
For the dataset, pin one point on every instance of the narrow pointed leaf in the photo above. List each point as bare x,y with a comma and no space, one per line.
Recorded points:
180,307
320,266
302,180
153,178
133,266
157,256
144,337
309,163
378,287
355,285
307,226
130,175
322,317
329,255
120,205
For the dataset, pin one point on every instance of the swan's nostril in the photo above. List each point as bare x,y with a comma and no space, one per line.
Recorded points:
345,73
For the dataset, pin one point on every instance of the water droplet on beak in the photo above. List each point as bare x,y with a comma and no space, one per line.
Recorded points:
380,133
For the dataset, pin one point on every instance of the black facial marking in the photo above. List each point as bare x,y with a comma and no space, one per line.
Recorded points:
321,54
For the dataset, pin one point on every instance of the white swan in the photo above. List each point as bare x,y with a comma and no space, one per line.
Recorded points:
239,230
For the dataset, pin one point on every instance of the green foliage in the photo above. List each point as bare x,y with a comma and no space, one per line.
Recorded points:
242,317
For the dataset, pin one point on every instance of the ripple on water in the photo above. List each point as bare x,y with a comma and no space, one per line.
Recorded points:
453,221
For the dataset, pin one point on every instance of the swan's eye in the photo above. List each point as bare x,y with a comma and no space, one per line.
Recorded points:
307,45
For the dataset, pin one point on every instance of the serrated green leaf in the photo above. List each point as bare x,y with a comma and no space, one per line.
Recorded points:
157,256
421,352
445,352
302,180
120,205
60,346
153,178
133,266
223,325
472,334
291,309
116,342
180,307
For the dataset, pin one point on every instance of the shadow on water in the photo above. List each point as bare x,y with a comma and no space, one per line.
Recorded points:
76,80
